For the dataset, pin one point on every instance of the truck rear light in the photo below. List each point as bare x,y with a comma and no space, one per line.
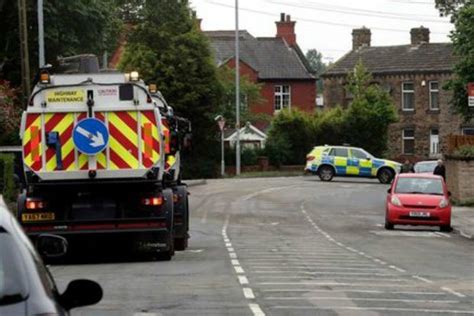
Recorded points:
310,158
152,201
44,77
34,204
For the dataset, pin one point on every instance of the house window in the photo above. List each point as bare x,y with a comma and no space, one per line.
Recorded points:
408,96
468,131
434,95
434,142
408,141
282,97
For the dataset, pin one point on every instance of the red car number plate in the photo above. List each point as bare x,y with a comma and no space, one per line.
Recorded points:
419,214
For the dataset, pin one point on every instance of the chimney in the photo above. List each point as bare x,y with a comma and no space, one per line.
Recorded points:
286,29
361,38
420,35
198,24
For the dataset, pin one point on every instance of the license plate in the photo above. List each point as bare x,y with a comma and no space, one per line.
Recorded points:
36,217
420,214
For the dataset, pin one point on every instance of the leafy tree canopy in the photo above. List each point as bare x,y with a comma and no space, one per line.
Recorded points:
167,48
315,60
462,13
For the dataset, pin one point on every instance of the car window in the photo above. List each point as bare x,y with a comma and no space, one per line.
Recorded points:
419,186
427,167
13,284
359,154
340,152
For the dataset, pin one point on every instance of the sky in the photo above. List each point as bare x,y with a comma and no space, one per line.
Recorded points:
326,25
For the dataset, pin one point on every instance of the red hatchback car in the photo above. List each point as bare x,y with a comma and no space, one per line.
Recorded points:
418,199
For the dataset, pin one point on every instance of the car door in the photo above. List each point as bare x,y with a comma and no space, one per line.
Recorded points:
341,156
361,163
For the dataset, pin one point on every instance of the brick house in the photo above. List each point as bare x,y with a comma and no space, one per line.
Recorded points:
277,63
414,75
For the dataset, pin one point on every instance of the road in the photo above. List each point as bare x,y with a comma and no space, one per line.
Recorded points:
290,246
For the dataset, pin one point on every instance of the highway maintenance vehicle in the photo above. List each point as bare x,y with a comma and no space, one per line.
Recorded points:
95,163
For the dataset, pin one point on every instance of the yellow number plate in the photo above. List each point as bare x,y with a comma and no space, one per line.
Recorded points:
37,217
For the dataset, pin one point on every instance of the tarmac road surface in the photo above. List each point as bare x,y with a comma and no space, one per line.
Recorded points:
288,246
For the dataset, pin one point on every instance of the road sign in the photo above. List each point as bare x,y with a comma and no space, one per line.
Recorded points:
470,94
90,136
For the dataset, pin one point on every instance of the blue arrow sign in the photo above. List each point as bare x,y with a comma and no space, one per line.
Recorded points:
90,136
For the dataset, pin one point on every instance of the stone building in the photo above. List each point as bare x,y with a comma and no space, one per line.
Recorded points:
414,75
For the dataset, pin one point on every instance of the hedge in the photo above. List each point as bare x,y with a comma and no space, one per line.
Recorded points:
7,181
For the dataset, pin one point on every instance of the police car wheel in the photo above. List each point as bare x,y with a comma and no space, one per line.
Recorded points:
385,176
326,173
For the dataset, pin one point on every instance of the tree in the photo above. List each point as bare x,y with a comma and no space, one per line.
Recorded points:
71,27
10,114
315,60
372,111
462,15
249,95
167,48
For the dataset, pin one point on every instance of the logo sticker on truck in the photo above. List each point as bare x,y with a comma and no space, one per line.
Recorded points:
65,96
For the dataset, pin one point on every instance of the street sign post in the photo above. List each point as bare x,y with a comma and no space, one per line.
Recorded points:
221,122
90,136
470,94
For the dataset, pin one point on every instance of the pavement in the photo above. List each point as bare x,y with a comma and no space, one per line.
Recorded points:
463,221
288,246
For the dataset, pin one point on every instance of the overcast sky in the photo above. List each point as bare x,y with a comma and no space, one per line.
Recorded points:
327,24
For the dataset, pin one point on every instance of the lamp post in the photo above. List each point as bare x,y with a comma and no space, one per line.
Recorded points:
237,90
221,122
40,35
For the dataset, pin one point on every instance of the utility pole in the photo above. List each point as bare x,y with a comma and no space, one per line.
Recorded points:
24,55
42,61
237,89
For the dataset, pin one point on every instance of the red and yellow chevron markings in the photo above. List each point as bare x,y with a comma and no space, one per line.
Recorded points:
123,140
150,139
63,124
32,142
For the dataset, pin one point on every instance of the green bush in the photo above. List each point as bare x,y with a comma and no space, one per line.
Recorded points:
466,151
7,181
248,156
278,150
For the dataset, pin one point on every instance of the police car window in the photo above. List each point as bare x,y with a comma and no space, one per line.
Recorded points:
340,152
359,154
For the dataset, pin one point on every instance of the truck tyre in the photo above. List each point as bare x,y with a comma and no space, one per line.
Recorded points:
446,228
326,173
385,175
169,209
388,225
181,241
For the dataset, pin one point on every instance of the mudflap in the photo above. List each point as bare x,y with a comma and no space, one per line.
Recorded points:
181,218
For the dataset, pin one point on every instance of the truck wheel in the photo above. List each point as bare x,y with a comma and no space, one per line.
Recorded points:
385,176
326,173
181,244
389,226
169,207
446,228
20,202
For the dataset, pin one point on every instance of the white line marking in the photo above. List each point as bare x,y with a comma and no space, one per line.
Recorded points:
352,291
395,309
243,279
256,310
235,262
228,244
238,269
232,255
443,234
248,293
397,268
422,279
230,249
447,289
366,284
368,299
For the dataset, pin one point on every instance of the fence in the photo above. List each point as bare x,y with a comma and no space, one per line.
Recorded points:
456,141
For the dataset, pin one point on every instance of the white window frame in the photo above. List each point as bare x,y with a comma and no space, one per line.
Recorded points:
403,96
431,95
434,150
466,128
281,94
408,138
